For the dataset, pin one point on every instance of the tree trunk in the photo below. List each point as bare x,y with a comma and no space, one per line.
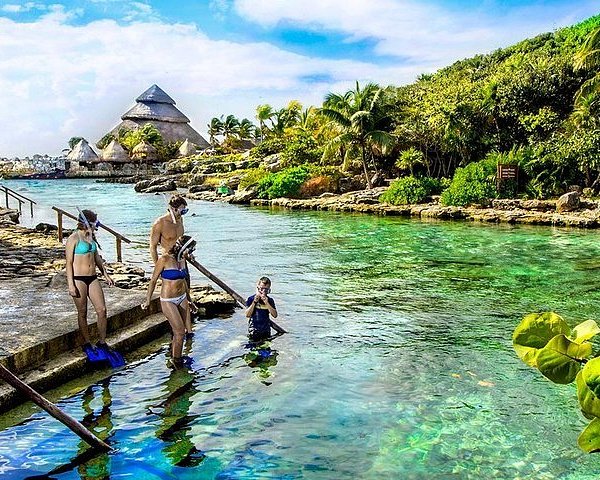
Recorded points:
364,162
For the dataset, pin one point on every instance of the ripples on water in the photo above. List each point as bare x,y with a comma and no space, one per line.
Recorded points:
398,365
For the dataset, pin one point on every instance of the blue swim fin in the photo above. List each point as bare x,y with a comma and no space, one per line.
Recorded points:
94,354
114,358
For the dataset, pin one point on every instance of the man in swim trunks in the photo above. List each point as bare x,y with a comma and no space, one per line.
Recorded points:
168,227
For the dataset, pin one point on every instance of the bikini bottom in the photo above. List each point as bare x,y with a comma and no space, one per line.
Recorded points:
176,300
87,279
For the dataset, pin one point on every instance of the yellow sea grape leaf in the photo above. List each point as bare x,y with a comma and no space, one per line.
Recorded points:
534,332
589,439
584,331
558,360
588,387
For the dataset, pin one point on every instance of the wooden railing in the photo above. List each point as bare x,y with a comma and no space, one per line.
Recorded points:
18,197
119,238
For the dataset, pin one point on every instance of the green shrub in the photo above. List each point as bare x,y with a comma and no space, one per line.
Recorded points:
299,150
252,177
409,190
285,183
475,183
268,147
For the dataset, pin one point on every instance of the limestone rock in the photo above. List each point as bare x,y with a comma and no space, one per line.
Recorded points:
568,202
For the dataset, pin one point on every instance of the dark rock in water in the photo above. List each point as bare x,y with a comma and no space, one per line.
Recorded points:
200,188
46,228
158,184
162,187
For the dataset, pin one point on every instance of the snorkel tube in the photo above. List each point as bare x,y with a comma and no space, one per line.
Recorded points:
169,209
86,222
183,249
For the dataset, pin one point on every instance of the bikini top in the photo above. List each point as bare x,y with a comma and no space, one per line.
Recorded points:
83,247
174,274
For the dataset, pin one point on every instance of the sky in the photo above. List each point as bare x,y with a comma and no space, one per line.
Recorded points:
72,68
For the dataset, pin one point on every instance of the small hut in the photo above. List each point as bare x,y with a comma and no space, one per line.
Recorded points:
82,156
187,148
114,152
145,152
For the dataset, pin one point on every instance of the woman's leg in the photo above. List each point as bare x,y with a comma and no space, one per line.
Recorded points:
81,305
173,315
186,314
97,297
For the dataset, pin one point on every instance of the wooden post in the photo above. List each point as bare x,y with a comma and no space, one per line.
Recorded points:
60,229
6,196
52,409
20,205
238,298
119,256
31,207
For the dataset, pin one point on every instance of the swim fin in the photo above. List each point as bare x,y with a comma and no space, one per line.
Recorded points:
94,354
114,358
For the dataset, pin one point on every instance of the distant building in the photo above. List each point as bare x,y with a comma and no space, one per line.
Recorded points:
154,106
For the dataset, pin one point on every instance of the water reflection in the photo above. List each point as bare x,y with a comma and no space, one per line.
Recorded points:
175,426
261,358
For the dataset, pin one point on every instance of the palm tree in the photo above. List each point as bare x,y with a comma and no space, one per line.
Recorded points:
263,113
231,126
246,129
358,116
215,127
589,58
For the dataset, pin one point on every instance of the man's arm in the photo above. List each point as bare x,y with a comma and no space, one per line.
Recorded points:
155,233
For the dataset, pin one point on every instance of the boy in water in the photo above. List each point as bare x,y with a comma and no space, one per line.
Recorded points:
260,306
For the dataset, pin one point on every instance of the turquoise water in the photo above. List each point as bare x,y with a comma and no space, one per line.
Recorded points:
399,362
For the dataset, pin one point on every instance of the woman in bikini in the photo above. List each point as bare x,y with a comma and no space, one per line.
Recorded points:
171,267
82,259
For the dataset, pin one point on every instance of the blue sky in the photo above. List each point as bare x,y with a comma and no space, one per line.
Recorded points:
71,68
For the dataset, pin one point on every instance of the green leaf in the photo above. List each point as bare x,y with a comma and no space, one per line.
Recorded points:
534,332
584,331
589,439
588,388
558,360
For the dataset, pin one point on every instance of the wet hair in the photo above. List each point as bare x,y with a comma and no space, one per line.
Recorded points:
177,201
181,241
265,280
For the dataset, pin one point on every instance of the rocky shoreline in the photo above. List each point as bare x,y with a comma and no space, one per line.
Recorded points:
582,214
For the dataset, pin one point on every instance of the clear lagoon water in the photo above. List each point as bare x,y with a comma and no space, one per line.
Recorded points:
398,363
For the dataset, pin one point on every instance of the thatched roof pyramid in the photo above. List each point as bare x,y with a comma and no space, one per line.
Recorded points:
114,152
82,152
156,107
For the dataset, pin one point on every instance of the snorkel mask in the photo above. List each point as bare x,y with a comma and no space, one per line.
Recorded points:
90,226
184,210
185,248
266,290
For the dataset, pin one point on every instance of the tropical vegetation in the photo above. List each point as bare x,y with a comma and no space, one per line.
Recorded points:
535,104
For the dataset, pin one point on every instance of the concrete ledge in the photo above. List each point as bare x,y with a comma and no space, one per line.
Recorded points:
73,363
32,356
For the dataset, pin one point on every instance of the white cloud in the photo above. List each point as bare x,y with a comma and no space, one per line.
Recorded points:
59,80
15,8
420,31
